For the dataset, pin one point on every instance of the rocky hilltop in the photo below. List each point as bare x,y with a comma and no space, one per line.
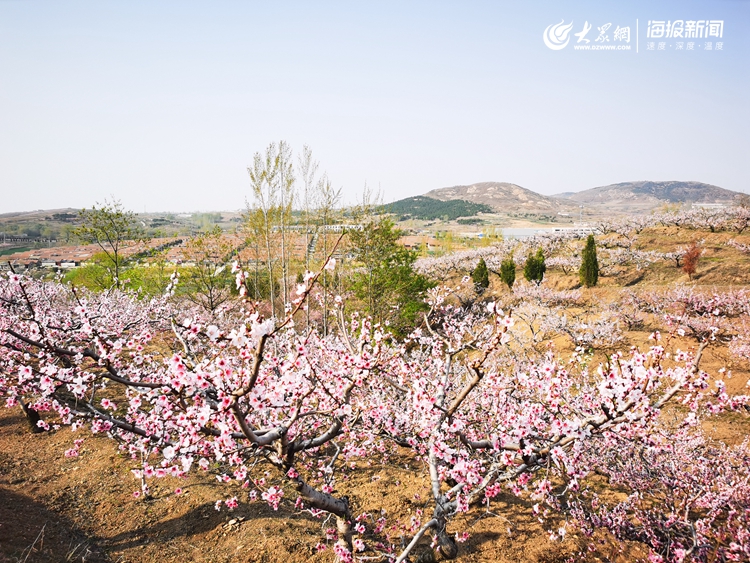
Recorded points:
503,196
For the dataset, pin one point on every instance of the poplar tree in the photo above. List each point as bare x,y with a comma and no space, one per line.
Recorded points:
272,183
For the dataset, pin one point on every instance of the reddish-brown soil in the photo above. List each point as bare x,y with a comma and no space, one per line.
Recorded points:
54,509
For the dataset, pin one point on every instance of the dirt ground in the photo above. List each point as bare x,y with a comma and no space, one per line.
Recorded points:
54,509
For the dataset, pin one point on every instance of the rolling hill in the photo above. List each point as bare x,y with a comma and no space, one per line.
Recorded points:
625,197
428,209
644,196
503,196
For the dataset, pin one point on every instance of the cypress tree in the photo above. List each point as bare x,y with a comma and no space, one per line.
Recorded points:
508,272
589,272
535,267
481,276
541,265
529,268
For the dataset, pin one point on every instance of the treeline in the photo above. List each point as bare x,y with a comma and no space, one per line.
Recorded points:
60,227
429,209
276,248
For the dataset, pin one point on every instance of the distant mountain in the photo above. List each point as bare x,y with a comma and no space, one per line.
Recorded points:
428,209
502,196
645,196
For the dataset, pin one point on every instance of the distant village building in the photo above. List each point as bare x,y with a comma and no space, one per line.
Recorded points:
340,228
417,242
578,230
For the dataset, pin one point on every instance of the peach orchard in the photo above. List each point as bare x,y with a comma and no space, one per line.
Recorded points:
477,393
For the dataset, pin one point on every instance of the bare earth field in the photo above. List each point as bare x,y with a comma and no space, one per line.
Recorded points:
55,509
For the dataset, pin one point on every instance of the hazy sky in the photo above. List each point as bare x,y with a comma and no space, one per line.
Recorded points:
163,104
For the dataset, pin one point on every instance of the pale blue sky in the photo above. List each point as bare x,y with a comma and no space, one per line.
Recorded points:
163,104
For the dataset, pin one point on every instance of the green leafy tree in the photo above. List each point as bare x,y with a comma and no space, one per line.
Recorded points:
389,288
535,267
259,286
481,276
508,272
111,228
150,279
94,274
208,281
589,272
